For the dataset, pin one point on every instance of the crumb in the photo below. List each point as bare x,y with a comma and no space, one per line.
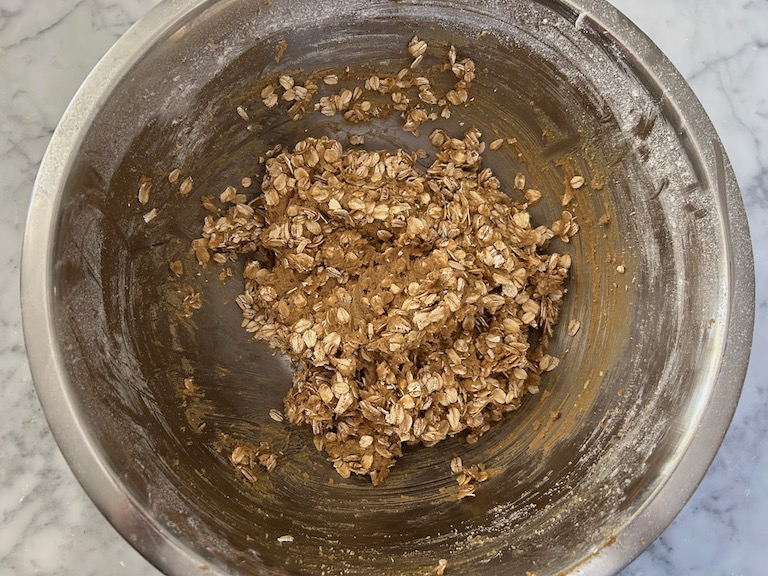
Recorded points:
151,215
189,386
282,46
193,300
186,186
145,186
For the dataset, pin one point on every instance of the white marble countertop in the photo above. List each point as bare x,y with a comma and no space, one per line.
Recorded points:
47,523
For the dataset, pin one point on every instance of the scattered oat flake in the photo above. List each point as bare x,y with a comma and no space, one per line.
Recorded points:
145,185
547,363
532,196
151,215
573,327
496,144
229,194
621,269
566,227
267,91
173,177
246,182
577,182
186,186
177,267
286,538
417,47
206,201
276,415
442,564
331,79
520,181
243,114
567,197
271,101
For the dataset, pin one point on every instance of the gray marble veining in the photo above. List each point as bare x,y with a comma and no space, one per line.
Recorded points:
47,523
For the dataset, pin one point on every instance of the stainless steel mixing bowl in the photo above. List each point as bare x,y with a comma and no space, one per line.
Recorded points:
584,475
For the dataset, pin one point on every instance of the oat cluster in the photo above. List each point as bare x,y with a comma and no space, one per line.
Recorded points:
467,477
406,92
406,299
245,457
